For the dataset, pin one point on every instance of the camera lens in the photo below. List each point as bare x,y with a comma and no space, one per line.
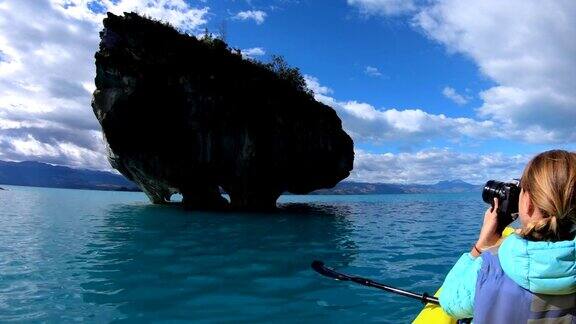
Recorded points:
493,189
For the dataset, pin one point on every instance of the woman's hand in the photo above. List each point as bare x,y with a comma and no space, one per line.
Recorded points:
489,234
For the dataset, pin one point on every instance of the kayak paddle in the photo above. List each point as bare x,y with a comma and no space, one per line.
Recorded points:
319,267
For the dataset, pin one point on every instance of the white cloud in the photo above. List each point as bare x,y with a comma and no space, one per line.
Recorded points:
63,153
176,12
372,71
47,75
413,128
394,127
254,51
257,15
367,123
384,7
451,94
313,84
432,165
527,48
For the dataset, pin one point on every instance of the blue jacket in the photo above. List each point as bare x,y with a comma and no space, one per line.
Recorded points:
539,267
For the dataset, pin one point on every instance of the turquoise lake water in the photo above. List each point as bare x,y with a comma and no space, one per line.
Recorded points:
80,255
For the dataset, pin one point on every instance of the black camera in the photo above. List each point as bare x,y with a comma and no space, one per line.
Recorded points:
508,194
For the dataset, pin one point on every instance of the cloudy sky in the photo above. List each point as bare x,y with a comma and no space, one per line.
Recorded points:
429,90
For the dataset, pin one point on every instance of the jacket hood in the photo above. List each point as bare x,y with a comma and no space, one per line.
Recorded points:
541,267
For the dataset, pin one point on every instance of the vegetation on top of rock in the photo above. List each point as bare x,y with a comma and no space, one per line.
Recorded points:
284,71
277,64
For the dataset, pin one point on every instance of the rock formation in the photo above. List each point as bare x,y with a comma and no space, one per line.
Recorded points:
185,115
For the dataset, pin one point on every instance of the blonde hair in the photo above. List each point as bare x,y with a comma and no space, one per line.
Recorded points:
550,180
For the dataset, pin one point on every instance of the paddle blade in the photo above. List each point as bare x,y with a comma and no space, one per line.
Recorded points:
319,267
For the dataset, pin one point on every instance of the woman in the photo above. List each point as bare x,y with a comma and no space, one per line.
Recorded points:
529,277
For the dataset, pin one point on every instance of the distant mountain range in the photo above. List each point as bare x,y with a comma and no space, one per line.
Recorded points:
359,188
37,174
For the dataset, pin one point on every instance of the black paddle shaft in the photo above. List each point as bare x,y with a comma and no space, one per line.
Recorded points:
319,267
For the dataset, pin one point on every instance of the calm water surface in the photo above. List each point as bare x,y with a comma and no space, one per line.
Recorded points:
79,255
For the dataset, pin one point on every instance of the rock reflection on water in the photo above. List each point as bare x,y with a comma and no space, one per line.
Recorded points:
163,263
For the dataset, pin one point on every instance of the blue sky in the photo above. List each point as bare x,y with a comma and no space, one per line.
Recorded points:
429,90
336,43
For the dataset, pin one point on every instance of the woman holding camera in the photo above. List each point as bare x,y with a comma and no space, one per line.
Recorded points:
530,276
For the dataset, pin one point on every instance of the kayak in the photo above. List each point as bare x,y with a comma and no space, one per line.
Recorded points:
434,314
